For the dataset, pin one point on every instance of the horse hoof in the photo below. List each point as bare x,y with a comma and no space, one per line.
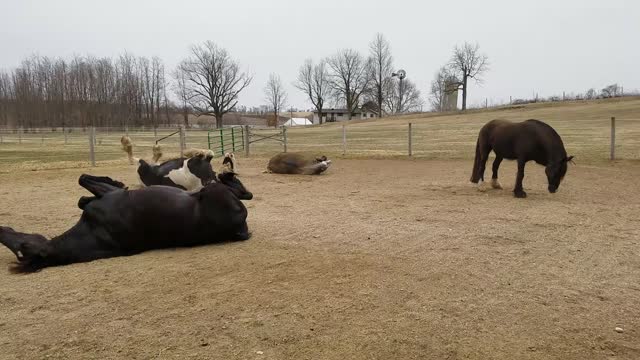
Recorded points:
496,184
481,187
520,194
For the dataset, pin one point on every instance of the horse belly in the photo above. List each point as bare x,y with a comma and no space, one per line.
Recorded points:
504,148
185,178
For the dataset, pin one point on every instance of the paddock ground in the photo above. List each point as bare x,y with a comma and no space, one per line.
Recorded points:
376,259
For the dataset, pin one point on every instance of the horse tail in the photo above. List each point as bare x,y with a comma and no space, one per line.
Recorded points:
475,177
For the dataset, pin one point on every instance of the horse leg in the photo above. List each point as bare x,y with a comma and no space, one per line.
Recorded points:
484,156
518,191
99,185
494,178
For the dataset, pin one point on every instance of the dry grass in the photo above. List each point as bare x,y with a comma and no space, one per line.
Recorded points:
371,260
584,127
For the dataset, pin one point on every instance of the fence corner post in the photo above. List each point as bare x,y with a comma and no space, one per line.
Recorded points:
284,137
246,140
410,141
92,143
613,138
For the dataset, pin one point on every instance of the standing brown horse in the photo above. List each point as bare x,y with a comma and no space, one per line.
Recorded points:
524,141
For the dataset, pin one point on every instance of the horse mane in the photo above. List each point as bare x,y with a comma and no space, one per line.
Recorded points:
556,141
546,126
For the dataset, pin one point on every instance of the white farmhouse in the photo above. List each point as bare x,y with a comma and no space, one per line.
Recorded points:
331,115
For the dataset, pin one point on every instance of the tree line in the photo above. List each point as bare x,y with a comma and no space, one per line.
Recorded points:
135,91
350,79
85,91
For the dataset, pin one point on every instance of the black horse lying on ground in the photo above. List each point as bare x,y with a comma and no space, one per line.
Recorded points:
121,222
524,141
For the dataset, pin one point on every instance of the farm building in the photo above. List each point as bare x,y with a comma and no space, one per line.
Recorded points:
331,115
298,122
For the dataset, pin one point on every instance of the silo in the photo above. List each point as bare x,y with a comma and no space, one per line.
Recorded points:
450,101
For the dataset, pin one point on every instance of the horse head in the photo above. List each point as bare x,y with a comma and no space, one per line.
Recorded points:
555,173
230,179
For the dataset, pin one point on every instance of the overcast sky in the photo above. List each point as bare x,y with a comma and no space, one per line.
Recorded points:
538,46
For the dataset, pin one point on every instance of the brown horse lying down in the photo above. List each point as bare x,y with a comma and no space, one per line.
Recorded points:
295,163
524,141
121,222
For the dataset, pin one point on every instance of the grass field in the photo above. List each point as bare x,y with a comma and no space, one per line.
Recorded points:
584,127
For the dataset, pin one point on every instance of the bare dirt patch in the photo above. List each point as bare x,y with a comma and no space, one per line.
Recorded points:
374,259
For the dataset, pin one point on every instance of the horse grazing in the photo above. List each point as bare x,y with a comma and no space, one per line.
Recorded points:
295,163
120,222
524,141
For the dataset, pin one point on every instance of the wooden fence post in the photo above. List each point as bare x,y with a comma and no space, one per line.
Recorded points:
182,141
613,138
284,137
245,135
344,139
92,143
410,141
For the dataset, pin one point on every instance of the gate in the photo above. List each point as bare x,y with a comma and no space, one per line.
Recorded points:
226,139
279,135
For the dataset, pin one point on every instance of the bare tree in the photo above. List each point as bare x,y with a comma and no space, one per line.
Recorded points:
612,90
348,77
442,85
82,91
313,80
403,99
467,63
180,90
213,80
275,96
380,67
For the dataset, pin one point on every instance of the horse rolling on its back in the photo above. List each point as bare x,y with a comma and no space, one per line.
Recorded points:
524,141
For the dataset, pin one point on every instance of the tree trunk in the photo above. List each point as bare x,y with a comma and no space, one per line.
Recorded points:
275,119
464,91
218,116
185,114
380,99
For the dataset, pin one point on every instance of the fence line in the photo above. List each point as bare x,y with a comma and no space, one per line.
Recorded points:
593,139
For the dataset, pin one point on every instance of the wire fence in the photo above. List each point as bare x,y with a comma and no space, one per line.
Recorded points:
588,139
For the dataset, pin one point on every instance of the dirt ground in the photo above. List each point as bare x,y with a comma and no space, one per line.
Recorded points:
376,259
